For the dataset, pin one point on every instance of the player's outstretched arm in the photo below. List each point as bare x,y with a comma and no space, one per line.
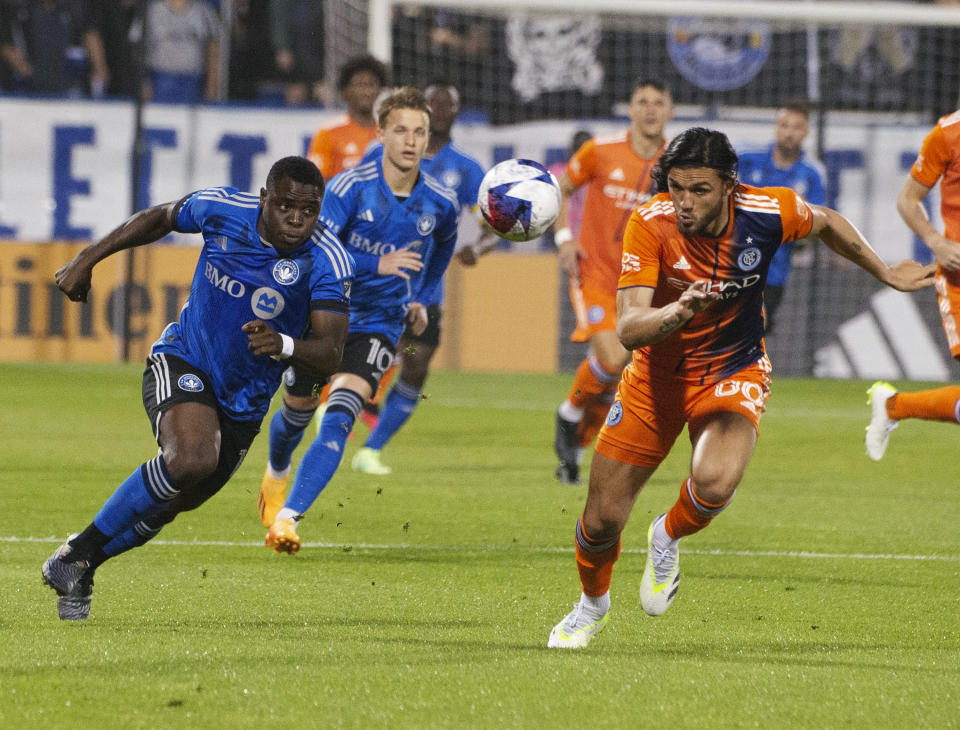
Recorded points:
910,207
639,324
397,263
321,350
842,236
144,227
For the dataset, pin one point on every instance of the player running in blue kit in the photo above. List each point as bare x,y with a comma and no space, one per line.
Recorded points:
386,212
783,165
460,172
267,274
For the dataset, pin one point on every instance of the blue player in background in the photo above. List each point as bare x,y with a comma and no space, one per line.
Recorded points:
783,165
400,225
271,288
460,172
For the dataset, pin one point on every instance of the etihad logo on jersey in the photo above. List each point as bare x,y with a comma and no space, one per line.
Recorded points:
266,303
625,198
727,289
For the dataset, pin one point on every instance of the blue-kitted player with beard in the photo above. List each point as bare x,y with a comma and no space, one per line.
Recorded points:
400,225
271,288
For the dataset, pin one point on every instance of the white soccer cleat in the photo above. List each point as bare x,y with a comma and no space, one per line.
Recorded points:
661,578
878,432
577,628
367,461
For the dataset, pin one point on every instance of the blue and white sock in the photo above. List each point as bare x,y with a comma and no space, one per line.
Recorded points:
142,494
286,432
326,452
138,535
401,402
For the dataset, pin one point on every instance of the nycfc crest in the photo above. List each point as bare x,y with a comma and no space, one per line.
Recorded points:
749,258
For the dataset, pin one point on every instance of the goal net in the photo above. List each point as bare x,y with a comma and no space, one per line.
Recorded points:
878,74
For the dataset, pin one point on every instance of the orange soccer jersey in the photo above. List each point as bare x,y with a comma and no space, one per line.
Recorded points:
619,180
728,336
939,159
339,146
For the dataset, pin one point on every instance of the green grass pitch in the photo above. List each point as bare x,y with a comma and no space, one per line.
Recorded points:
828,595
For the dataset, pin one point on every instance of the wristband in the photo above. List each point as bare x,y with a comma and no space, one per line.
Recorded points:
287,349
562,236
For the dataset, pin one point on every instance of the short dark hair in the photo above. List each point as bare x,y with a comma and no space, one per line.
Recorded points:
358,64
800,106
405,97
642,81
298,169
697,147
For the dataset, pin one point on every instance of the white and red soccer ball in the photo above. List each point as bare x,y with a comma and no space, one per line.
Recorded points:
520,199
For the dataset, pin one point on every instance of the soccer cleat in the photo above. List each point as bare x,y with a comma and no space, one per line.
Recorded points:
283,537
61,573
566,446
661,578
271,497
878,432
367,460
568,473
577,628
75,606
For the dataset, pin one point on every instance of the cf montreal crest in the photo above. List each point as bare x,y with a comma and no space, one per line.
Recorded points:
286,272
426,224
190,382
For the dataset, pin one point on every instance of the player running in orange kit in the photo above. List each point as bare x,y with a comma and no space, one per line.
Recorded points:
690,307
939,159
616,171
340,145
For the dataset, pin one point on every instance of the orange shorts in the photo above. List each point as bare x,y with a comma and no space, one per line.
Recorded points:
650,412
596,311
947,284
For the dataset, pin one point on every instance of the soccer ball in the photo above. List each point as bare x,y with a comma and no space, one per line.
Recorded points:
520,199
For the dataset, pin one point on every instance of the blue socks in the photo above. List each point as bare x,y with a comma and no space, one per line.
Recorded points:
401,402
142,494
326,452
286,432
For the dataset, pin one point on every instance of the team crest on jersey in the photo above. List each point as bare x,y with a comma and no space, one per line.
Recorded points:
615,414
266,303
426,224
286,272
749,258
190,382
595,314
451,179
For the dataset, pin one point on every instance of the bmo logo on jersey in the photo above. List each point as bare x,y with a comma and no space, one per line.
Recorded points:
377,248
266,303
223,282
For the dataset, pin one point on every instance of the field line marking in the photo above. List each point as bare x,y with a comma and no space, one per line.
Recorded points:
520,548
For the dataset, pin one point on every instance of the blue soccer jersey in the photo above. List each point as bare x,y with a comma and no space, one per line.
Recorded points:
804,178
362,210
239,278
454,168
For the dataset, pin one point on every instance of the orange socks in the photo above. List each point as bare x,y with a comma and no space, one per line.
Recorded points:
595,561
689,513
940,404
590,381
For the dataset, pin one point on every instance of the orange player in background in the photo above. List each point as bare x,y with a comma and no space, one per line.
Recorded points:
939,159
340,144
616,171
690,307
